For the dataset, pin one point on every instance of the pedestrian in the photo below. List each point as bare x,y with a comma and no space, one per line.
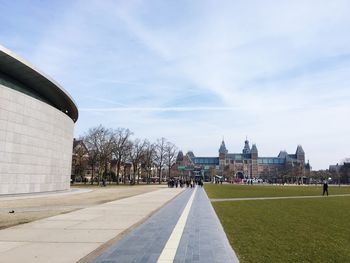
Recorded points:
325,187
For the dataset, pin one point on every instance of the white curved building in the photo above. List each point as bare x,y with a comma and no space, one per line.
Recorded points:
37,119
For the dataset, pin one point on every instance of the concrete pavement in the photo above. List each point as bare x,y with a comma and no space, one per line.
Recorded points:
71,191
202,241
167,225
70,237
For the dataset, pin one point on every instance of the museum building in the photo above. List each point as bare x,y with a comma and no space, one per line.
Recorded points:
37,119
244,165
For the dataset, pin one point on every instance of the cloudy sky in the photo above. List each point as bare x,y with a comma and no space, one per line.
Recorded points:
195,71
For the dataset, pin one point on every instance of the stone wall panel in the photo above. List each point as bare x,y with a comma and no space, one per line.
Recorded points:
35,145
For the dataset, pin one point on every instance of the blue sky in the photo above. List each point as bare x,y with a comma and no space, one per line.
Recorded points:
195,71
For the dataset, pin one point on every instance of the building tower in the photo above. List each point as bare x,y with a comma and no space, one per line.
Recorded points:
222,153
180,157
246,149
254,158
300,154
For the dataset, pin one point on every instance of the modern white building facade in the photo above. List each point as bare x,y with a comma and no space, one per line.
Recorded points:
36,129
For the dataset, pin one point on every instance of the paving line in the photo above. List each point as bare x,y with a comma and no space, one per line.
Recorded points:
169,251
274,198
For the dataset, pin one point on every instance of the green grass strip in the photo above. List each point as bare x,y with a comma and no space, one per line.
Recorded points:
291,230
237,191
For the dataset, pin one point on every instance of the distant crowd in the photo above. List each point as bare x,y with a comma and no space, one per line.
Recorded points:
181,183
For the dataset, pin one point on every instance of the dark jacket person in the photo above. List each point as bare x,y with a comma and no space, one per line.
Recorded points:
325,187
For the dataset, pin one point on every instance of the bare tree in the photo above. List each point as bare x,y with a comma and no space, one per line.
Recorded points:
80,158
98,141
120,147
212,173
170,156
135,155
93,162
147,159
160,156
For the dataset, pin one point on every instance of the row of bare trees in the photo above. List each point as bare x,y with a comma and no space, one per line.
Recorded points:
106,146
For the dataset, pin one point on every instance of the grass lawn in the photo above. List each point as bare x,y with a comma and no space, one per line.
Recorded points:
291,230
235,191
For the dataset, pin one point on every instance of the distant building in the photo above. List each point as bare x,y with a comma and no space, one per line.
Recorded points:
341,172
246,164
81,170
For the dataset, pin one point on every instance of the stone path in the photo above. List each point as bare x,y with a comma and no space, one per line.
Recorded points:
147,241
69,237
166,225
203,239
71,191
273,198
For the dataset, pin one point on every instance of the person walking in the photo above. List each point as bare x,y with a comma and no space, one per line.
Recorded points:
325,187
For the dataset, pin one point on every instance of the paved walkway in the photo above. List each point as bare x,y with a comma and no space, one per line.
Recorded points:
69,237
71,191
273,198
203,239
167,225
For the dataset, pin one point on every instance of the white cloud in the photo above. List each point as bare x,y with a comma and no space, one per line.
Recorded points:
275,71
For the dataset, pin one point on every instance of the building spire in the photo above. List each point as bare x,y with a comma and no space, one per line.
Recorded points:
246,148
222,148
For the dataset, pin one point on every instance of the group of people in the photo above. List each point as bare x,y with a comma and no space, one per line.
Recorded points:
172,182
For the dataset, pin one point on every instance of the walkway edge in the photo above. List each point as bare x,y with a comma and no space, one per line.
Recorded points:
101,249
273,198
222,228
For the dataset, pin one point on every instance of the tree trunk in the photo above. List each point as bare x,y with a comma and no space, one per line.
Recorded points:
169,170
134,174
118,170
92,174
138,176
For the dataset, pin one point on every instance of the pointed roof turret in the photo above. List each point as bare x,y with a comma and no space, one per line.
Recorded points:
299,150
283,154
246,149
180,157
254,149
190,154
222,148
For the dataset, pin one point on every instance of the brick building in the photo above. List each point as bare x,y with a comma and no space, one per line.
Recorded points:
246,164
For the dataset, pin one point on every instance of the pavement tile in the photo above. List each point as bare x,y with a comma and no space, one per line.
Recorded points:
70,237
38,252
58,235
48,224
5,246
150,237
204,239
